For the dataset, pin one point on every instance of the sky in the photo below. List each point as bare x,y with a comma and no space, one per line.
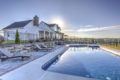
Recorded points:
80,18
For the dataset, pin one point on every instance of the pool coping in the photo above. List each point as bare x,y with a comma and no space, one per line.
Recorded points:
111,50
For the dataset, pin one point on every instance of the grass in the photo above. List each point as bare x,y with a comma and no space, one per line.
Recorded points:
6,42
111,46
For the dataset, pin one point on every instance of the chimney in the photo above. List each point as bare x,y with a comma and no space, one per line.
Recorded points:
36,21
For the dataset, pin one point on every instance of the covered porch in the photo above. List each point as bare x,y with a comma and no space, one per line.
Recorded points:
46,35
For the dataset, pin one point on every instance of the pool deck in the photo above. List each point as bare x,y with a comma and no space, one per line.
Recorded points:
111,50
34,71
58,76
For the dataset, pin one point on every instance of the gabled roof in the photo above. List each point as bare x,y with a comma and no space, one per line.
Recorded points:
18,24
51,25
46,27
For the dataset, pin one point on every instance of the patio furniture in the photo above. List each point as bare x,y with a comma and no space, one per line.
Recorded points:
52,44
8,55
46,46
43,46
20,47
37,47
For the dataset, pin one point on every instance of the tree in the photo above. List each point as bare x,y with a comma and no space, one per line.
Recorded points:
17,39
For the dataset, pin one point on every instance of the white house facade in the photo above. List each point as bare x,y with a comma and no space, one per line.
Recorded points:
32,30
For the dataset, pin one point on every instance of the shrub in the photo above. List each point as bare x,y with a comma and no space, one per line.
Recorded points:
31,41
37,40
17,39
41,39
1,39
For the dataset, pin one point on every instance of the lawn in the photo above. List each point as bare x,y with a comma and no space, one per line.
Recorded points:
12,42
8,42
111,46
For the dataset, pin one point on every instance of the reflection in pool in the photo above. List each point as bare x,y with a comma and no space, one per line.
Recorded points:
88,62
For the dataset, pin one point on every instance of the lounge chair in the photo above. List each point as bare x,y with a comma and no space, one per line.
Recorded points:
8,55
52,45
46,46
37,47
43,45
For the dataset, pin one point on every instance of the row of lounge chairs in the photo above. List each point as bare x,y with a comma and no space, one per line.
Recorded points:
5,54
15,52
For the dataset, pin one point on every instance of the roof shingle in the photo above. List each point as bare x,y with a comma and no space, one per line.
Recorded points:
18,24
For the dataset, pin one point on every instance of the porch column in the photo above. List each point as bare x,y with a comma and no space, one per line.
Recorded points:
24,36
37,36
44,34
49,36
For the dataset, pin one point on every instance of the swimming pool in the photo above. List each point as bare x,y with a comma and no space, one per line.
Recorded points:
87,62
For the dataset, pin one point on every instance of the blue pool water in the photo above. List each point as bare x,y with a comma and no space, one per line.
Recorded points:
88,62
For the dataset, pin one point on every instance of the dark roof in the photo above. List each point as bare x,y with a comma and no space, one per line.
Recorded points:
51,25
18,24
58,32
47,25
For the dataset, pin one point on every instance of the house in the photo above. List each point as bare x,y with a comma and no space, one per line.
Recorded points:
57,30
1,35
32,30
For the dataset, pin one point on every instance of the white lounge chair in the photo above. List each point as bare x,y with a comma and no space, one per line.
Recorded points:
52,44
39,48
45,46
8,55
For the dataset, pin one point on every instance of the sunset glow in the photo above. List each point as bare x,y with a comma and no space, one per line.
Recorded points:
58,21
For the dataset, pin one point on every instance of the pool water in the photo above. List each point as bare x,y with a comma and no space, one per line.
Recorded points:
88,62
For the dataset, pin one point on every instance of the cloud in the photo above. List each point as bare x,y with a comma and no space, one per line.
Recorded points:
87,26
98,28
